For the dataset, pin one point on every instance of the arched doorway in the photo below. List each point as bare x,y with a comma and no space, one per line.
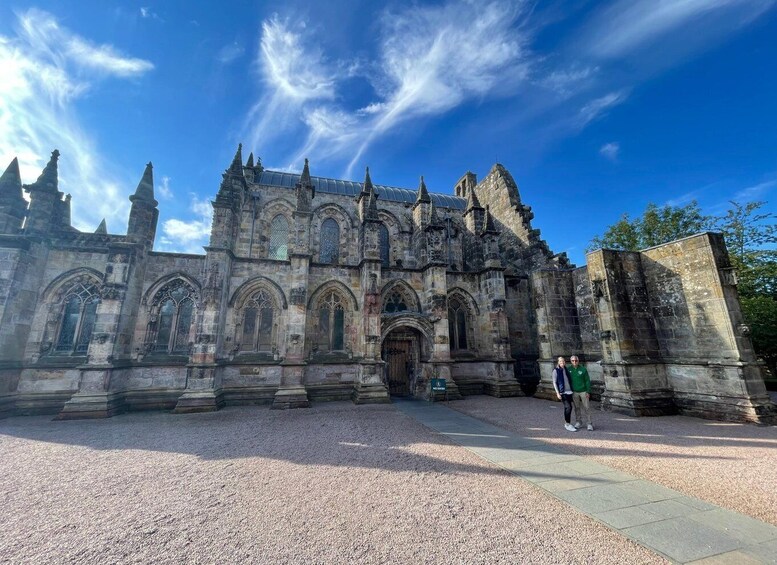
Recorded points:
405,347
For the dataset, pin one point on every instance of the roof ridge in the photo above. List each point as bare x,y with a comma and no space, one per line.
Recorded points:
356,182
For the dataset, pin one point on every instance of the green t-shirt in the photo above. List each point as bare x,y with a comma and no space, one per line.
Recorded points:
581,382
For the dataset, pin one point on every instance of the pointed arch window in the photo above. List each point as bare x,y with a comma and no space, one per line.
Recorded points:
171,327
279,238
259,323
395,303
79,310
457,324
385,245
330,241
331,324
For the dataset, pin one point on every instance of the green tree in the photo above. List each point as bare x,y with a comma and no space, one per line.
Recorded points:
654,227
751,238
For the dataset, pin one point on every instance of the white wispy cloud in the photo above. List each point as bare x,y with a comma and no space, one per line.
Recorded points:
754,192
610,150
684,199
568,81
293,73
626,26
430,60
598,106
163,189
188,236
230,52
429,66
45,68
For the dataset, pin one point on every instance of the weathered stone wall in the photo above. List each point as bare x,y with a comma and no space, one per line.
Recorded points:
557,321
521,247
687,300
586,316
710,362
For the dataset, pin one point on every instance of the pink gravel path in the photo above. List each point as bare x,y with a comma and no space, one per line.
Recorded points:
336,483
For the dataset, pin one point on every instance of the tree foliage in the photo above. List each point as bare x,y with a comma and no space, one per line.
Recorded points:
654,227
751,239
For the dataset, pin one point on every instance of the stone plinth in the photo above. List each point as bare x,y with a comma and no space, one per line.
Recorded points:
369,387
637,389
92,405
291,393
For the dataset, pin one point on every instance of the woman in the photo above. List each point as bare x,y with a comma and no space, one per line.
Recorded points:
561,382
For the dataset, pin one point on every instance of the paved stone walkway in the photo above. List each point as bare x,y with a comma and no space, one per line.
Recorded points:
681,528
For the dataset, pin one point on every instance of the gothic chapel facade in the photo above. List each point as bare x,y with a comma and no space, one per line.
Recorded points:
320,289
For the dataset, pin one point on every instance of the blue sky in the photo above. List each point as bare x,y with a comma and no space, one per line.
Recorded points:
596,108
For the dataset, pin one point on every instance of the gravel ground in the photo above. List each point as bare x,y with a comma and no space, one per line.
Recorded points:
730,465
332,484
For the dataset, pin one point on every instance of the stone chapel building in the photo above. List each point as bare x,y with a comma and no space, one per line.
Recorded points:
317,289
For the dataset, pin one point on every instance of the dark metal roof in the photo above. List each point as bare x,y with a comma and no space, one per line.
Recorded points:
351,188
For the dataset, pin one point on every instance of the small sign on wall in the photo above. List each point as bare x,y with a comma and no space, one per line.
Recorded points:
439,385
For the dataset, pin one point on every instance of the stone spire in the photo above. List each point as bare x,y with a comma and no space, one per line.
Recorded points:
472,200
11,184
250,162
304,178
102,228
366,200
145,190
48,181
13,206
232,182
368,187
423,194
488,223
237,161
305,190
44,209
143,212
372,203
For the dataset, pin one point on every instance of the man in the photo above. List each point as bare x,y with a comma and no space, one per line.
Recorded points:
562,384
581,392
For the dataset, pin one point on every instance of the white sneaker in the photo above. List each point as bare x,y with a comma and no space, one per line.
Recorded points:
578,425
570,428
590,427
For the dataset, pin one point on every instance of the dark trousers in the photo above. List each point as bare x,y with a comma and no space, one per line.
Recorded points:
567,400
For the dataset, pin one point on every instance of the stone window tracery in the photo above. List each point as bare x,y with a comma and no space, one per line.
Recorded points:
331,323
330,241
385,245
279,238
395,303
79,310
259,330
173,314
457,324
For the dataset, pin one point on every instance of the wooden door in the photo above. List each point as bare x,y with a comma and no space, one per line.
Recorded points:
396,353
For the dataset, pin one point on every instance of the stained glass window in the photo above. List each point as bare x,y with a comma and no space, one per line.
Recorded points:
175,303
457,324
279,238
331,324
330,241
385,246
78,316
394,303
258,323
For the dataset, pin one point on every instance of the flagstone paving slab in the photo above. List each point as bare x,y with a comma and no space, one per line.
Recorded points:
681,528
